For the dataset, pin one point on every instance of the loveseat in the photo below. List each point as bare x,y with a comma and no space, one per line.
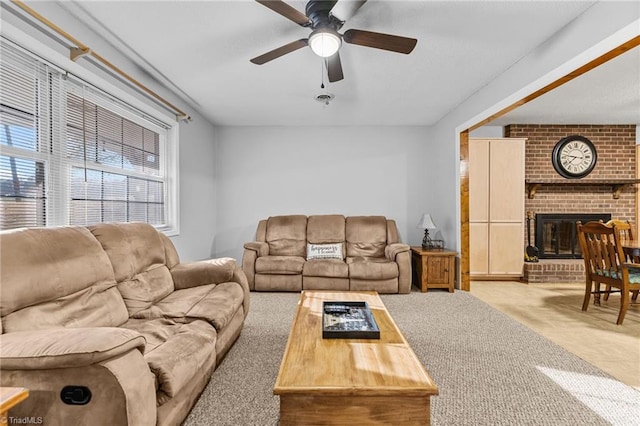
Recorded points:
107,319
327,252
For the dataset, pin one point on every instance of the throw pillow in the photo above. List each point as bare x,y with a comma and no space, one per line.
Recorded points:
324,251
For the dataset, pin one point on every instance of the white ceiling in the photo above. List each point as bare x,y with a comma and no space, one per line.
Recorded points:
203,48
608,94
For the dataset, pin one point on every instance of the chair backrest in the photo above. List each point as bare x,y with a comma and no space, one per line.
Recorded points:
601,250
624,227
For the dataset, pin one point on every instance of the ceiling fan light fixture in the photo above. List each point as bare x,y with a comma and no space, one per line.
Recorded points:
324,42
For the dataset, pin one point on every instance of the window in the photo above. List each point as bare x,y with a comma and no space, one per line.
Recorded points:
74,155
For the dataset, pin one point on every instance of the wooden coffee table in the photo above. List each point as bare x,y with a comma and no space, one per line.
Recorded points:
350,381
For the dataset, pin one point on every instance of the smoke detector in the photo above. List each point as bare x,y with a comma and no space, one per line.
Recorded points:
325,98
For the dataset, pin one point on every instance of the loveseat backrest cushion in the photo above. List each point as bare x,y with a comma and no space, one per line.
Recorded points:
366,236
137,254
287,235
325,229
56,277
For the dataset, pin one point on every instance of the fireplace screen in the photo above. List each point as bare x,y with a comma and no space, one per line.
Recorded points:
556,234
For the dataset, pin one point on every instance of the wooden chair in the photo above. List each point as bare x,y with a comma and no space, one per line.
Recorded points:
623,226
605,263
625,230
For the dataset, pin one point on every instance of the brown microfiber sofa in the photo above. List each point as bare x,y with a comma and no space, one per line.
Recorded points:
372,257
111,308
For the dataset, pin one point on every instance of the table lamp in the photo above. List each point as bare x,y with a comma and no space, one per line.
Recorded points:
426,223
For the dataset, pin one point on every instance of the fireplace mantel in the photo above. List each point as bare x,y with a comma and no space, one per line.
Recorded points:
617,185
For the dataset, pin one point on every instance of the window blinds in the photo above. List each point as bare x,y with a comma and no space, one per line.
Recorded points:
72,154
25,149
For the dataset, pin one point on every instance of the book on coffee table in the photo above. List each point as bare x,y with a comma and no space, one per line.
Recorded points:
348,320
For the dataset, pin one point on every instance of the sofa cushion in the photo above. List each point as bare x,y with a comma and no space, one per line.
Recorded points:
194,274
142,290
323,229
132,247
287,235
366,236
369,268
215,303
100,305
56,277
176,352
326,268
281,265
137,254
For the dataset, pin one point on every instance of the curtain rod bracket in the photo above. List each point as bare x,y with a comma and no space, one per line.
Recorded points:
183,117
76,53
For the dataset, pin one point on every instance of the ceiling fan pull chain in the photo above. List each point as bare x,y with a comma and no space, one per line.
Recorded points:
322,64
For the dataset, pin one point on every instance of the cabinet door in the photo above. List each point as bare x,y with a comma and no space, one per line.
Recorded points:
478,180
496,206
506,248
438,269
506,180
479,248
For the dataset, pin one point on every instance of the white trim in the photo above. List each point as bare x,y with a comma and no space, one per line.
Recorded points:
172,183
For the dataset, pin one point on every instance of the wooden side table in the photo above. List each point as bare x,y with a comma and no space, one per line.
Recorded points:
433,268
10,397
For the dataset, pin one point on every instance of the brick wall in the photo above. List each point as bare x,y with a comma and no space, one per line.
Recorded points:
616,160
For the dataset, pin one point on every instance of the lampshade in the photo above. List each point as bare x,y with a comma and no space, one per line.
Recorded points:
426,222
324,42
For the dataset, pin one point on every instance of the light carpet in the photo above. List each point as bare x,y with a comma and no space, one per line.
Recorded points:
490,369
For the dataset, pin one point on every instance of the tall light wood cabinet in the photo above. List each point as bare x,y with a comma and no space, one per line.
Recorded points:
496,207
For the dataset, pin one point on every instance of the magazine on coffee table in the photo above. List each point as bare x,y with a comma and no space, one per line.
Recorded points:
348,320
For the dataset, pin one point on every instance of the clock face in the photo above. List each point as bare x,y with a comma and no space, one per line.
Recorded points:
574,157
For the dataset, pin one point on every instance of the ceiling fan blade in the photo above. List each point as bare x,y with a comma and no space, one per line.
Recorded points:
282,50
334,67
343,10
389,42
287,11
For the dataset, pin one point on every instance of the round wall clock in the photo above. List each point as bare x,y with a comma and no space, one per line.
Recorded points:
574,157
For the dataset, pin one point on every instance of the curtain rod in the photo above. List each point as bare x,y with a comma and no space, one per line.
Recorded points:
80,49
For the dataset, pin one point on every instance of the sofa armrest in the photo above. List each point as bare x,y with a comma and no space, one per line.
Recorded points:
401,254
194,274
261,248
106,360
392,250
240,277
252,251
66,347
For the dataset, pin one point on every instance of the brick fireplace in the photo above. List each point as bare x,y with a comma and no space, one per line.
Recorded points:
616,160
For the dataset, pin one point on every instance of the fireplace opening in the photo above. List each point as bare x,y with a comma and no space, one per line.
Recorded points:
556,234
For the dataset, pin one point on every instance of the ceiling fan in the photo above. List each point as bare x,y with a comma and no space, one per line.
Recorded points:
325,18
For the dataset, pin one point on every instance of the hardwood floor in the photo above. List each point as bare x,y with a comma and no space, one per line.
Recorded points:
554,310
